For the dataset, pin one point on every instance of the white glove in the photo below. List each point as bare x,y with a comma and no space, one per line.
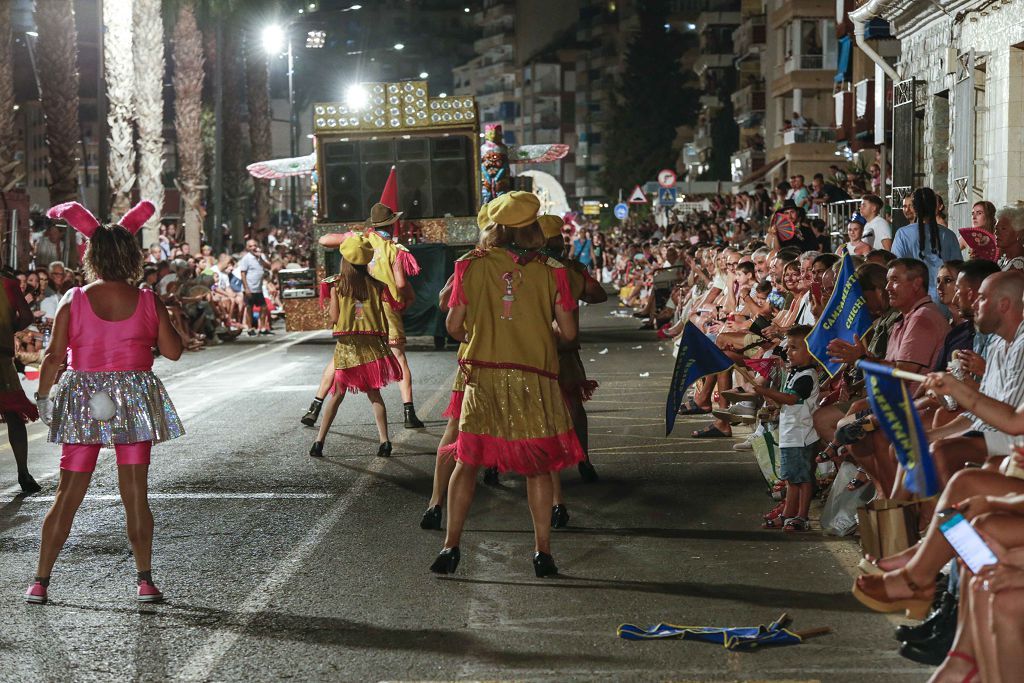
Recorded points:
45,407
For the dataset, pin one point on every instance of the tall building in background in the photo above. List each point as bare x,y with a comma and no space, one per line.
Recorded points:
749,99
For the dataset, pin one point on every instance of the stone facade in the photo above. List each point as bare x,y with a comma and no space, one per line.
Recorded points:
996,33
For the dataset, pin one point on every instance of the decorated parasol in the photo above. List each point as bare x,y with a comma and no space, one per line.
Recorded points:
282,168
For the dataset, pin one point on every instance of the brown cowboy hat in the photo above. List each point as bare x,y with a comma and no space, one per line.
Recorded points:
381,215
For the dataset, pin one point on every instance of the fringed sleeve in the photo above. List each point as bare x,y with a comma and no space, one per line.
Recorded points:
568,301
408,262
395,304
458,296
325,293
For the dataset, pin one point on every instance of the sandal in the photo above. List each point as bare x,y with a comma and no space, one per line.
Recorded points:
857,481
776,523
832,448
954,654
775,512
691,408
710,432
794,524
870,591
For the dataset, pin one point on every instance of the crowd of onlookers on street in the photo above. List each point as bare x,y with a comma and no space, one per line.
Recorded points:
211,297
754,272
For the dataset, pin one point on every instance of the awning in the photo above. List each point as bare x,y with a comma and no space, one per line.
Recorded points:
844,70
760,173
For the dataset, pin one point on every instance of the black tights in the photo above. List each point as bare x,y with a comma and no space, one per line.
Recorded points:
18,436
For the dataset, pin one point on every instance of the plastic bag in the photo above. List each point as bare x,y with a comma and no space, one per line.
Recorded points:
839,516
765,454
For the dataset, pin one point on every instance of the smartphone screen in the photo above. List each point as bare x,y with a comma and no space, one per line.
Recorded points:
969,545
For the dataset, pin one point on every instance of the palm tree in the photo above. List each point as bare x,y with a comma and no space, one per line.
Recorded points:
258,87
58,82
119,72
148,48
188,112
10,173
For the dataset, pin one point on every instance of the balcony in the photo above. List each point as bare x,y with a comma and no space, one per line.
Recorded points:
745,162
712,61
748,105
484,45
814,135
805,72
749,39
844,116
781,12
702,138
804,63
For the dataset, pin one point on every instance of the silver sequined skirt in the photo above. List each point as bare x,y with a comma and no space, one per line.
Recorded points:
142,409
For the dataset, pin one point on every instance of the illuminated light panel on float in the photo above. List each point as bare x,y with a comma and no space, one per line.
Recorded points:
395,106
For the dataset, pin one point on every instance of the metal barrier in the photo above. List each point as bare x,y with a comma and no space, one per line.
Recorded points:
838,215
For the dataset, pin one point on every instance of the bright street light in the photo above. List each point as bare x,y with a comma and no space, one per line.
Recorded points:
399,46
424,74
353,7
356,97
273,39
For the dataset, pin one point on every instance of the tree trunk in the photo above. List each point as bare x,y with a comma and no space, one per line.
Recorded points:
258,86
57,65
188,111
10,168
148,48
119,73
234,81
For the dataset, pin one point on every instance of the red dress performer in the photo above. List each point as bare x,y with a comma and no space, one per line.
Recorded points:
108,396
15,408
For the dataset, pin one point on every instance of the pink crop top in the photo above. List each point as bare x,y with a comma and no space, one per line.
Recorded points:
98,345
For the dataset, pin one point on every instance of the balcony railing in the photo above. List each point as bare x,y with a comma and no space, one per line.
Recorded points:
750,37
816,134
747,101
800,62
745,162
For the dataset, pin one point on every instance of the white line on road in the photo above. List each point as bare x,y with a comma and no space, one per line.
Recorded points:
204,660
188,496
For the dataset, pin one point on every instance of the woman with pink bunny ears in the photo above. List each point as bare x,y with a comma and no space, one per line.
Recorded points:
108,395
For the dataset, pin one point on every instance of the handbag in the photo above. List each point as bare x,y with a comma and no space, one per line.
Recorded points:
887,527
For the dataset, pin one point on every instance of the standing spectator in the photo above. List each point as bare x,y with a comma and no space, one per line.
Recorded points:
925,239
251,267
583,248
799,193
877,231
49,247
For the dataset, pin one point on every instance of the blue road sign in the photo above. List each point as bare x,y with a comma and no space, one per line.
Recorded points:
621,211
667,196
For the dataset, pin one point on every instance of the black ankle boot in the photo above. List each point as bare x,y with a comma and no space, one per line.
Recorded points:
932,650
317,449
309,419
385,450
559,517
447,561
587,471
431,519
28,484
942,619
544,565
411,421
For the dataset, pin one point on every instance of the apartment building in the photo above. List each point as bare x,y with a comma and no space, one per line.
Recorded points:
749,99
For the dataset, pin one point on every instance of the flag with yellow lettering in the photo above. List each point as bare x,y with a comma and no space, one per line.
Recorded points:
698,357
844,316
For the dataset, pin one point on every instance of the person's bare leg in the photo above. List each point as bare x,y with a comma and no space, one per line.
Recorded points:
955,669
380,413
866,454
444,463
326,380
952,454
792,503
405,386
825,420
329,412
556,489
133,482
806,494
461,489
539,494
57,524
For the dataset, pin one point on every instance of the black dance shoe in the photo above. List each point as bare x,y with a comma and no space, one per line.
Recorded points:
932,651
587,472
431,519
446,562
28,484
385,450
544,565
941,620
559,517
309,419
411,421
491,476
317,449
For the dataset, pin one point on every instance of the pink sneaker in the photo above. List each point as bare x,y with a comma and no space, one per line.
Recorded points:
36,594
149,593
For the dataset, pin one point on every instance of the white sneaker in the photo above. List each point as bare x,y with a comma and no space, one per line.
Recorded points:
747,444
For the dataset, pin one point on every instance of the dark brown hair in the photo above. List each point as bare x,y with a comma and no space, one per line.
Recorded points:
354,282
113,254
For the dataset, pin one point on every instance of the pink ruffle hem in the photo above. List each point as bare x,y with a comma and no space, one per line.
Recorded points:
528,457
454,408
372,375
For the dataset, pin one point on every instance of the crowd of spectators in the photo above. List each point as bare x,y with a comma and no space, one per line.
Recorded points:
753,272
211,297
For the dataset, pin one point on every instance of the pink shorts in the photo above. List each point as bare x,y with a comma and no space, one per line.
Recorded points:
81,457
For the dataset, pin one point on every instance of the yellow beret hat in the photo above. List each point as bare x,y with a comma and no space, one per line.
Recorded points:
357,250
483,218
550,225
514,209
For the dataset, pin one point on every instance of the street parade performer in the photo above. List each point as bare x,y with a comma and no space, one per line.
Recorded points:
513,417
362,360
108,396
15,407
392,265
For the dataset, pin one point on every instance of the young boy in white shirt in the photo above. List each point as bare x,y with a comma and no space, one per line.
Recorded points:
797,401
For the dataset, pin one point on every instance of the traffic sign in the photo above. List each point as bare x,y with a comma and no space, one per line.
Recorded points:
591,207
621,211
638,196
667,196
667,177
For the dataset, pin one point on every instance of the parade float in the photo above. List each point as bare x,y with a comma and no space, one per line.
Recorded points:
443,172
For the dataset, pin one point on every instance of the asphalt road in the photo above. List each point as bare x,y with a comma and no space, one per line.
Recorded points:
278,566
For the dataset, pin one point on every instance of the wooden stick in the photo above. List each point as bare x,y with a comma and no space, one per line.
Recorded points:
813,632
909,376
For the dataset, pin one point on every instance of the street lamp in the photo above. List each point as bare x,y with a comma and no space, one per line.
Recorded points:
274,37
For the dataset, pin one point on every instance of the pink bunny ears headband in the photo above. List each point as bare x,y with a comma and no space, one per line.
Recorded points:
79,218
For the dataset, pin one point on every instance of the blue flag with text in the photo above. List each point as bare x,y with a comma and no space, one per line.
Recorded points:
844,316
698,357
893,406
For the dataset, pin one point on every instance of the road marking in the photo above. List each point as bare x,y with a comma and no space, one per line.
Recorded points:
189,496
205,658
